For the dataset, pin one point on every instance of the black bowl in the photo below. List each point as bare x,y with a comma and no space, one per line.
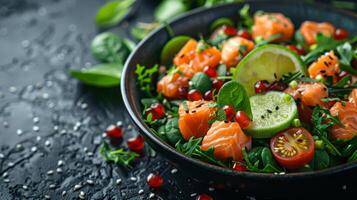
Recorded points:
198,21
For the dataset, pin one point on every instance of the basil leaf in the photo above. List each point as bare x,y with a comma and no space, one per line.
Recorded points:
103,75
168,9
233,93
321,160
113,12
201,81
108,47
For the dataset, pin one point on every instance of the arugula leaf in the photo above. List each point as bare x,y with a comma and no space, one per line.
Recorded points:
245,18
273,37
109,47
118,156
168,9
145,75
346,54
103,75
260,159
233,93
113,12
287,78
353,157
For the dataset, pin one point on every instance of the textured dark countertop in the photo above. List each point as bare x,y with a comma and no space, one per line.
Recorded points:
51,126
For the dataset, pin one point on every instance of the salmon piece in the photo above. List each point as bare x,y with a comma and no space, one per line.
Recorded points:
326,65
348,117
227,139
269,24
234,49
310,94
169,85
194,119
189,61
310,29
353,97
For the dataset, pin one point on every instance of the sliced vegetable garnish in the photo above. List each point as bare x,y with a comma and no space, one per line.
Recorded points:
272,112
172,47
293,148
268,62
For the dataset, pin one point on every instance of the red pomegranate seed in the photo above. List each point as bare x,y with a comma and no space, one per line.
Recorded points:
229,30
154,180
239,167
114,132
157,111
194,95
204,197
242,119
230,112
244,34
296,49
208,95
278,86
210,72
183,92
217,84
341,34
261,86
136,143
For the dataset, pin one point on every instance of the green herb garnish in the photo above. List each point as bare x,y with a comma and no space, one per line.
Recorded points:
144,77
118,156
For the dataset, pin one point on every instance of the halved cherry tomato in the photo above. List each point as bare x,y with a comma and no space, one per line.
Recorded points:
293,147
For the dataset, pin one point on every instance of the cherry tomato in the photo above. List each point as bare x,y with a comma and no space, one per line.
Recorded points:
293,147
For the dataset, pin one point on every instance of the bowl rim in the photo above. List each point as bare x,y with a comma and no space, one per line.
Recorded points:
144,129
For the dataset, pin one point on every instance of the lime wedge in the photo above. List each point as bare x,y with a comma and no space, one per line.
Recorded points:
272,112
268,62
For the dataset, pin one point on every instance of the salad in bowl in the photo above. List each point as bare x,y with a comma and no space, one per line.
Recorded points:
260,94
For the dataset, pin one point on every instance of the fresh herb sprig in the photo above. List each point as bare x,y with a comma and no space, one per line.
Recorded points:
260,159
322,121
118,156
144,77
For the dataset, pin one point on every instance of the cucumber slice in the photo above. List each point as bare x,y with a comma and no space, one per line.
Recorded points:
272,112
267,62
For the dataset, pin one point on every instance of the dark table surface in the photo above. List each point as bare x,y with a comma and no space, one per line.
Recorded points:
51,126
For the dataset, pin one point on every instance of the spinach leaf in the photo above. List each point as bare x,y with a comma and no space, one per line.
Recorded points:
113,12
201,81
168,9
233,93
109,48
172,131
103,75
321,160
260,159
118,156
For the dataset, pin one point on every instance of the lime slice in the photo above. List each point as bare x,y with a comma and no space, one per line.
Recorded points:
268,62
171,48
272,112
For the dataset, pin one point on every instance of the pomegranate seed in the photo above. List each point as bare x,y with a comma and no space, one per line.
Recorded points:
182,91
229,30
157,111
154,180
208,95
239,167
242,119
136,143
354,63
230,112
114,132
342,74
245,34
261,86
341,34
217,84
210,72
296,49
204,197
278,86
194,95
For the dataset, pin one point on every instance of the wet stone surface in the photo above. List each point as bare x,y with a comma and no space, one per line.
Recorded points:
51,126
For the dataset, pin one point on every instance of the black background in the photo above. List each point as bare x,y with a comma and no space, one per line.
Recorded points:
47,117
